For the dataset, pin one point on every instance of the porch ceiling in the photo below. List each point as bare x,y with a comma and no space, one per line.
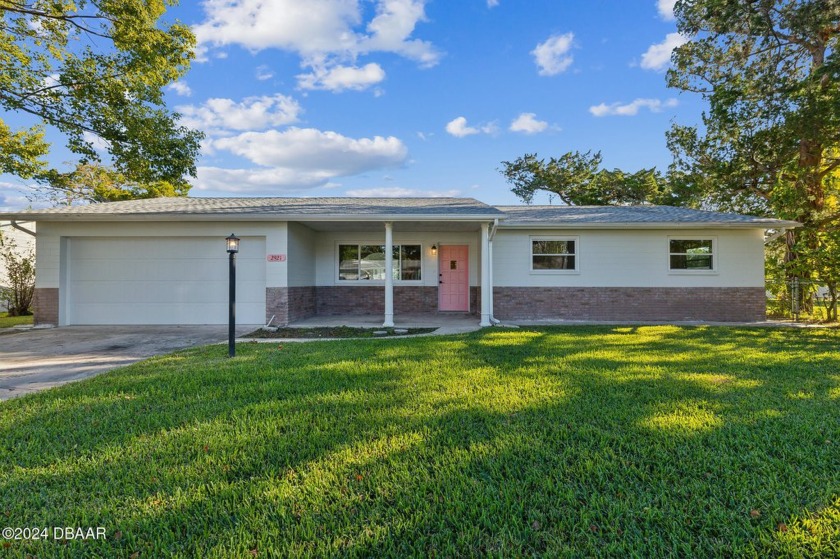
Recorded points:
401,226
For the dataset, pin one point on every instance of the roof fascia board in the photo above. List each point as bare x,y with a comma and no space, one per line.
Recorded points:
248,217
652,225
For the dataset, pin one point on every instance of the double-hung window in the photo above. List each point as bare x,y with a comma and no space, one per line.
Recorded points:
694,254
357,262
554,254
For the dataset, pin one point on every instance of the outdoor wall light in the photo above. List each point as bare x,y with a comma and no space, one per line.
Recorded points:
232,243
434,250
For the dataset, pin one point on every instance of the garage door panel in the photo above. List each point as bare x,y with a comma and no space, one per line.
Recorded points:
162,281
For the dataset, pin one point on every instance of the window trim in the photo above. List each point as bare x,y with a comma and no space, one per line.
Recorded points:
576,254
696,272
337,263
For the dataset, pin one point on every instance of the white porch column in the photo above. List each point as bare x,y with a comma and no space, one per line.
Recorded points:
490,281
485,275
389,275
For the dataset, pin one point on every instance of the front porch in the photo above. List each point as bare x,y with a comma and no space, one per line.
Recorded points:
381,272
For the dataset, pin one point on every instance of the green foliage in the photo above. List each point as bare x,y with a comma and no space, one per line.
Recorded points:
577,179
21,151
95,183
557,442
95,72
770,71
19,265
7,321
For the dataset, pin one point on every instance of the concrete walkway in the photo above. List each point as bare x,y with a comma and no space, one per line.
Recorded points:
446,323
36,359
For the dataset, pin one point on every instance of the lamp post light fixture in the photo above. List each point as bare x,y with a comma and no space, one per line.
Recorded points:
232,244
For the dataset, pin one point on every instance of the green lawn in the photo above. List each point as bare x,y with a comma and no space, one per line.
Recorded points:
7,321
602,441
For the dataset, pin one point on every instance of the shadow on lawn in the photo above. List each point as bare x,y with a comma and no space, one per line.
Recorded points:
557,441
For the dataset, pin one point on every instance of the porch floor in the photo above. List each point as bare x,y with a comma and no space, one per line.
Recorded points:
446,323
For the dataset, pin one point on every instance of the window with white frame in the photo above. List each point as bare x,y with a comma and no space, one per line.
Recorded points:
691,254
552,254
359,262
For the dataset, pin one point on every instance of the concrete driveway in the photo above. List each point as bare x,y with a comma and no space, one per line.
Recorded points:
33,360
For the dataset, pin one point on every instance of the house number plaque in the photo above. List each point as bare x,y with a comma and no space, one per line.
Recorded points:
276,257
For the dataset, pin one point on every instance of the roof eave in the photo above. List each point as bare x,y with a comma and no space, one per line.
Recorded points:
44,217
652,225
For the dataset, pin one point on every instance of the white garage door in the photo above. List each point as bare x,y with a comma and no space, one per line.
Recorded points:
148,280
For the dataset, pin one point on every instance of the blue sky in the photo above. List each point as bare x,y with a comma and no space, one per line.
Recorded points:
418,97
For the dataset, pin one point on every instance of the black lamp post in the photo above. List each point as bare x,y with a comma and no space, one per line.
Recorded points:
232,249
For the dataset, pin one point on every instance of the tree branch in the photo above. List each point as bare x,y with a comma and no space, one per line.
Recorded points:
46,115
23,9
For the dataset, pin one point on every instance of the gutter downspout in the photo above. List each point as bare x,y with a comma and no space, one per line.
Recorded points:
493,319
24,229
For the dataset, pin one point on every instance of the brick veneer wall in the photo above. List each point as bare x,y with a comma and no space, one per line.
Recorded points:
288,304
301,302
335,300
277,305
716,304
45,305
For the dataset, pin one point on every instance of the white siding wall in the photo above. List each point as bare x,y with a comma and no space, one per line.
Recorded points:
631,258
326,245
301,258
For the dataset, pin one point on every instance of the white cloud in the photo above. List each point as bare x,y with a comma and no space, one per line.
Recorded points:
666,9
181,88
13,197
99,144
316,28
251,181
391,29
315,153
492,3
458,127
297,159
528,124
340,78
263,73
400,192
658,56
252,113
632,109
552,56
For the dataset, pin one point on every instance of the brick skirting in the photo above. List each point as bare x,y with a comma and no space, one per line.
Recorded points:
301,302
714,304
45,305
370,299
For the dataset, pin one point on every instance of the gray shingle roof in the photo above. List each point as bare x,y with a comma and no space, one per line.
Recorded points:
361,209
273,207
637,216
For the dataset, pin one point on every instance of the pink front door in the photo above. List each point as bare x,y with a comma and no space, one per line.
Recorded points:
454,279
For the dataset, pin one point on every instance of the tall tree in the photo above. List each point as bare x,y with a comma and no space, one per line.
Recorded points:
93,183
94,70
769,70
577,179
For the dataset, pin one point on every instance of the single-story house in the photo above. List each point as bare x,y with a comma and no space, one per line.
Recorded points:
163,261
